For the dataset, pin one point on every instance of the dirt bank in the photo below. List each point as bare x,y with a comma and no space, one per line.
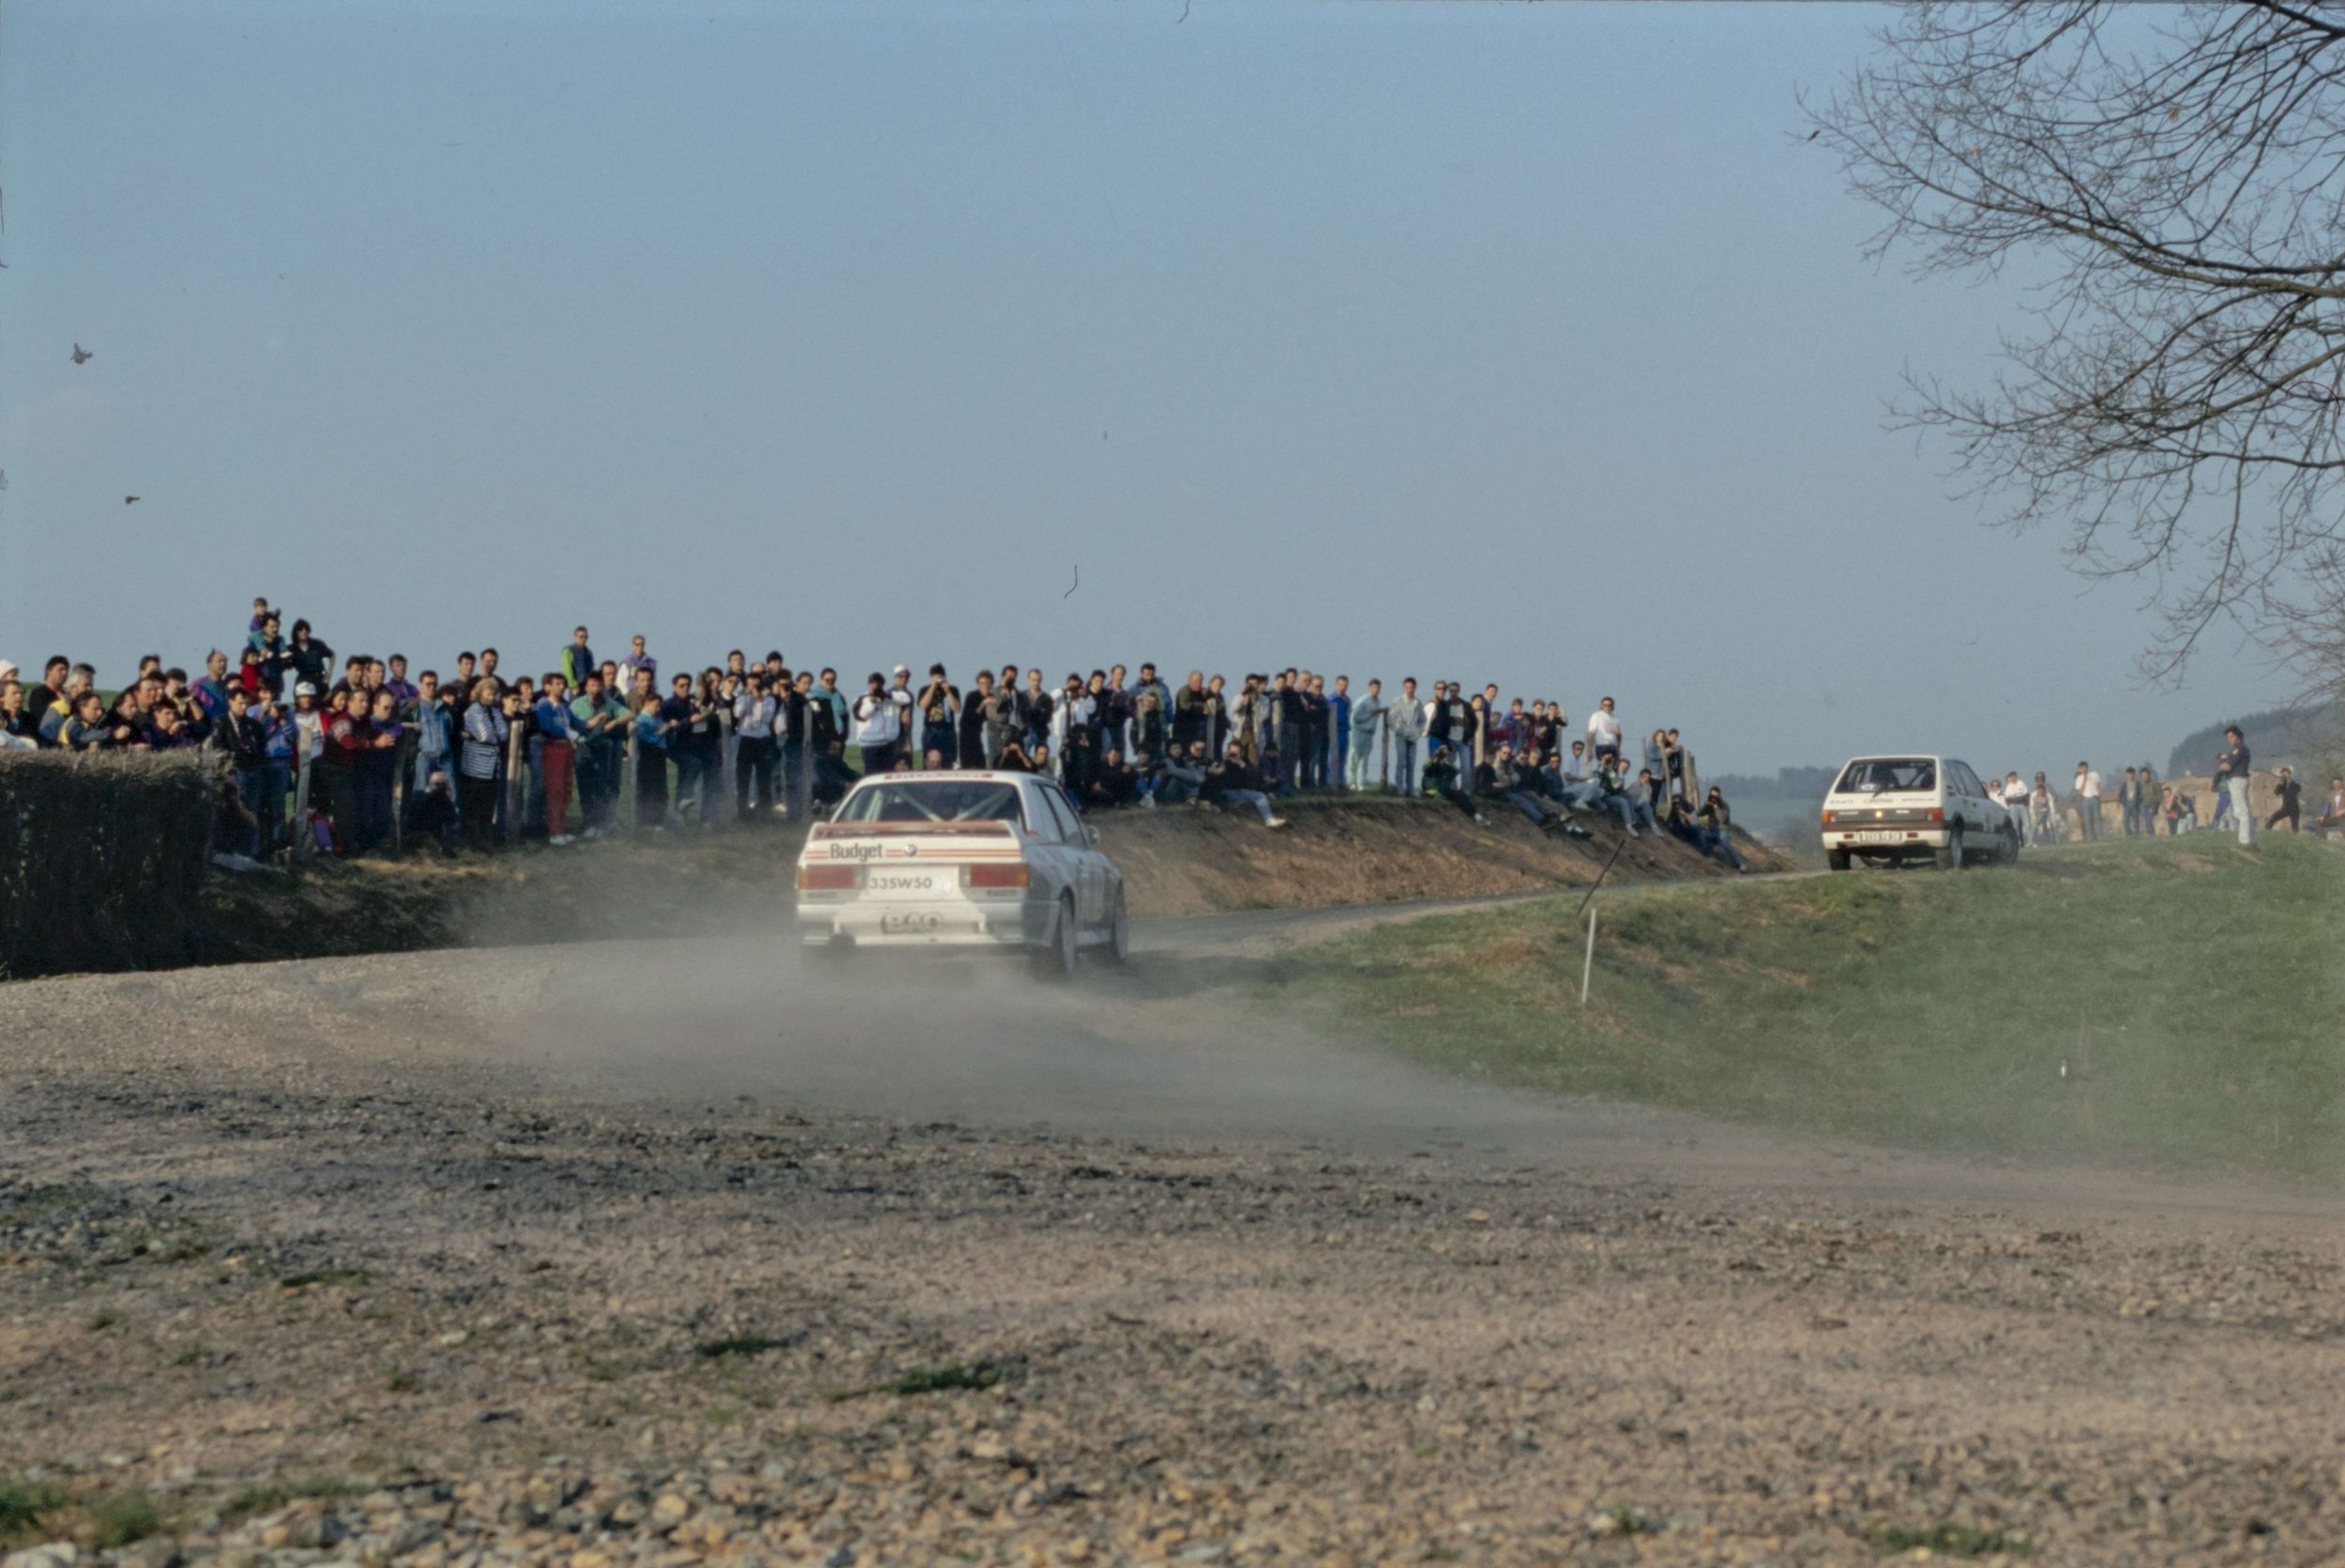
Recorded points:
1367,852
1179,860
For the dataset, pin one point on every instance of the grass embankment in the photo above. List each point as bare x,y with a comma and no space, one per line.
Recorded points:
2194,992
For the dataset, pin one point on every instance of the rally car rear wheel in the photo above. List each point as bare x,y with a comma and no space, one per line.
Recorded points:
1057,961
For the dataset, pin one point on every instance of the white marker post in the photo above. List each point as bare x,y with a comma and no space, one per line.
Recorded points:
1587,965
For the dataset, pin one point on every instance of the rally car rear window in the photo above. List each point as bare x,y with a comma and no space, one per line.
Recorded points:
1876,775
941,802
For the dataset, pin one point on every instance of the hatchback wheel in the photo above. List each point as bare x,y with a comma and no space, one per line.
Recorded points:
1950,858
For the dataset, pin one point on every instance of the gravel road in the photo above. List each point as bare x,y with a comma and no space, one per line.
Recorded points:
675,1253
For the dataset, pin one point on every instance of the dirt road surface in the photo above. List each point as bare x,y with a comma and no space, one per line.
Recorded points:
676,1253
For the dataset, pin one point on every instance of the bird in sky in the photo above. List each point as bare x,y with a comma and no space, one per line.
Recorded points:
127,499
82,355
1079,583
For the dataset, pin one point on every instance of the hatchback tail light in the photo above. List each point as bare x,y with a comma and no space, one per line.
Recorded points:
1937,813
1010,873
1827,818
829,879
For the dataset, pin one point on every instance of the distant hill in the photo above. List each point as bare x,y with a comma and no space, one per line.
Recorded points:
2271,735
1802,784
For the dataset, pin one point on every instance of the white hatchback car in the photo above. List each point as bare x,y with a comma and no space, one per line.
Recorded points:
1904,806
963,862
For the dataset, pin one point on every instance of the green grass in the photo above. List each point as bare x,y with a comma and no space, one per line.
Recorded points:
39,1511
119,1520
1949,1540
33,1205
349,1278
945,1378
2195,991
740,1345
22,1504
270,1496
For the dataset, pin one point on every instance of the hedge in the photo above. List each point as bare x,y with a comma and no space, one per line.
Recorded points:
103,858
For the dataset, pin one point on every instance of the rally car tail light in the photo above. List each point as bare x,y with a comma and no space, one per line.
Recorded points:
1008,873
828,878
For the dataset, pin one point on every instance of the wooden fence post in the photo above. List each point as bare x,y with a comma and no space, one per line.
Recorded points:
630,785
516,781
303,844
801,784
402,774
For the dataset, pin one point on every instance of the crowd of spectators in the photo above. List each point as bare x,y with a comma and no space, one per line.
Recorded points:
2145,805
352,753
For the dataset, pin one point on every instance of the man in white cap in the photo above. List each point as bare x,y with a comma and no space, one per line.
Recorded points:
899,693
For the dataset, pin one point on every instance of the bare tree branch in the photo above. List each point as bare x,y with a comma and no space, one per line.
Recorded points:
2170,185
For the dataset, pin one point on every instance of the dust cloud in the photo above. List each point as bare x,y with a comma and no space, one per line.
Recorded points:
1186,1046
918,1038
1193,1044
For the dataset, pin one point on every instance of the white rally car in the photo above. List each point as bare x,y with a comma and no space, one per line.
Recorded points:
1907,806
961,861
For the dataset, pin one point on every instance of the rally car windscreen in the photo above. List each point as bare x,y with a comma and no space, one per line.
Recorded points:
1875,775
941,802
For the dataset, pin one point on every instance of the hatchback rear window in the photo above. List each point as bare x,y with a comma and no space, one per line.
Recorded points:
971,801
1879,775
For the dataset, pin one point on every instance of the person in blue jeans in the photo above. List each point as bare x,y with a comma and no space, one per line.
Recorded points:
281,744
1640,801
1405,719
1338,770
1718,825
1607,792
1226,784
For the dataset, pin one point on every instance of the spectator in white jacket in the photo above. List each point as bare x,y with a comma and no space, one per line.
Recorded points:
1604,731
1072,719
878,725
2088,801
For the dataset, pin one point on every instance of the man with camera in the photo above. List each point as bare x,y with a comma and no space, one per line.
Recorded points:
2289,795
938,706
879,725
755,711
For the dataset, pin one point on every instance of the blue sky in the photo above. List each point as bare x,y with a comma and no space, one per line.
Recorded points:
1510,342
